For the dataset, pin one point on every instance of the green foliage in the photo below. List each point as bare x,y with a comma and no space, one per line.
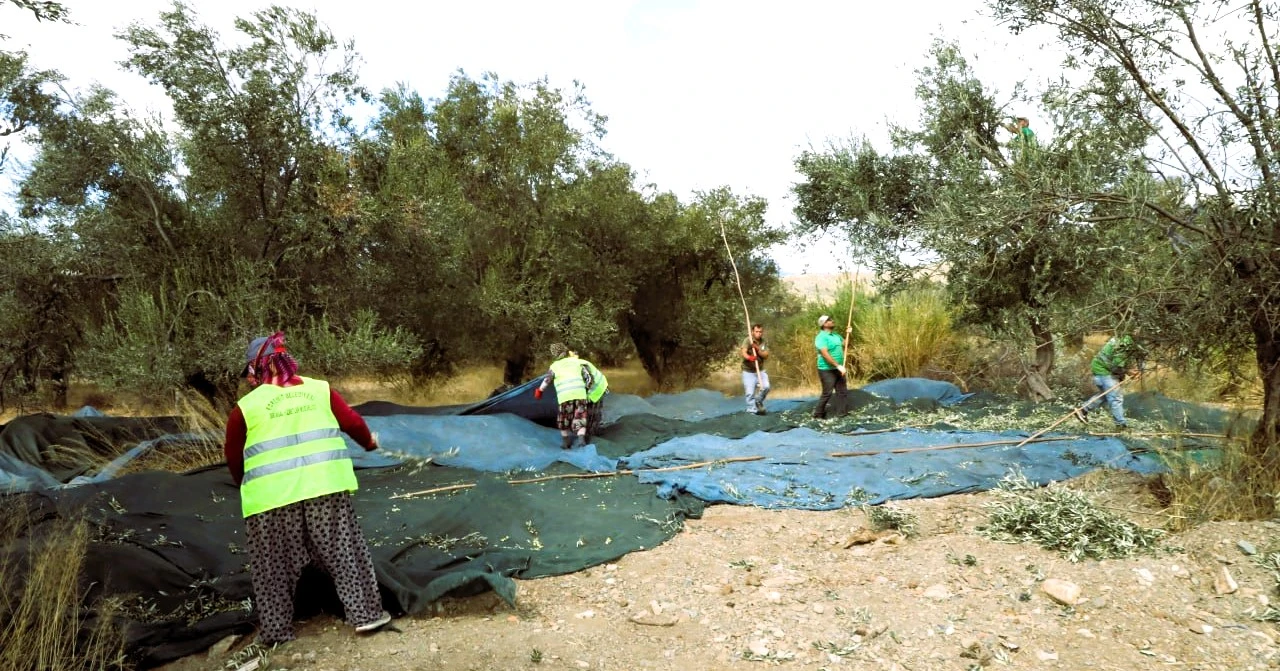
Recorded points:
1204,266
482,225
1005,221
884,517
1062,519
905,334
361,347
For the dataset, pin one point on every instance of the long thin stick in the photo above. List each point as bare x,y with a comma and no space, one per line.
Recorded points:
848,328
1074,410
1164,434
932,448
437,490
738,282
606,474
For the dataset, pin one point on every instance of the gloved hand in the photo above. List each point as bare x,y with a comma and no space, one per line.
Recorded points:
841,369
537,393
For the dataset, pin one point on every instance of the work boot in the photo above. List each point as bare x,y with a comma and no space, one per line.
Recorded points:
581,441
566,442
1081,414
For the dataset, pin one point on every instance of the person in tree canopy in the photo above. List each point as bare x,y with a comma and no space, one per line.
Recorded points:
1110,365
1021,127
580,389
754,353
285,451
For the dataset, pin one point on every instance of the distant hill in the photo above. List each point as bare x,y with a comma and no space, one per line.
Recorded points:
823,286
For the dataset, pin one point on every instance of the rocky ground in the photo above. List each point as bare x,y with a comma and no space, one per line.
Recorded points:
746,588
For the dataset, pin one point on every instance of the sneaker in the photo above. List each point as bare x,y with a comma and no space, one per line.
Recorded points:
1082,415
566,442
377,624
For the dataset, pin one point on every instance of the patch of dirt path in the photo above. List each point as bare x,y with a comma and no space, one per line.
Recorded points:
746,588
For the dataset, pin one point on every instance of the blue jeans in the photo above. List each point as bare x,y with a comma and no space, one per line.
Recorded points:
750,382
1114,398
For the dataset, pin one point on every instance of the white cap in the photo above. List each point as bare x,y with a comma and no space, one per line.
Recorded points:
823,320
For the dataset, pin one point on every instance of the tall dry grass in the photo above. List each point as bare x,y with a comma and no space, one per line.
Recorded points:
906,336
46,624
1238,482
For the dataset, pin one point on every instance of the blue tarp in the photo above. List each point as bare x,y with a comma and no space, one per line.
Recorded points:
493,443
798,472
903,389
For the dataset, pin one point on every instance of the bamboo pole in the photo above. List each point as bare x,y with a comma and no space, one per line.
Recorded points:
437,490
1074,410
932,448
746,313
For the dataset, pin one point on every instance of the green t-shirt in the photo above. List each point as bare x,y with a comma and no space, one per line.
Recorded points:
1114,357
834,345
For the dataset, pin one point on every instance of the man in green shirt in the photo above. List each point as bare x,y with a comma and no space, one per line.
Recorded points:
830,371
1109,367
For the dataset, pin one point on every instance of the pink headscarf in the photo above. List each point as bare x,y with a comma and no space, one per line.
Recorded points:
272,363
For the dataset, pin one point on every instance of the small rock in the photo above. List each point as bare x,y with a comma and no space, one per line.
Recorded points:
296,658
586,615
774,597
1247,547
1145,575
726,589
1198,627
309,657
1064,592
1085,633
655,620
433,648
759,647
711,589
1223,583
937,592
655,607
582,664
1179,571
1046,656
819,608
753,580
512,618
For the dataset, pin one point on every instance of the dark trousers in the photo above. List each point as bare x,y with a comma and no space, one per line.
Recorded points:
832,380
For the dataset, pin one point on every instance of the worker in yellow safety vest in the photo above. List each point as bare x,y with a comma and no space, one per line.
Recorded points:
580,391
285,450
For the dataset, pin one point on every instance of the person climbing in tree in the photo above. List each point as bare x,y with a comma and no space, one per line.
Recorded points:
1021,127
285,450
754,352
1118,358
580,390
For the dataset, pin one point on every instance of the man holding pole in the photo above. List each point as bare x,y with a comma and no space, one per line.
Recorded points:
1109,368
754,353
830,371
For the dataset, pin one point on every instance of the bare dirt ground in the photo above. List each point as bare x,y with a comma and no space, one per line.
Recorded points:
745,588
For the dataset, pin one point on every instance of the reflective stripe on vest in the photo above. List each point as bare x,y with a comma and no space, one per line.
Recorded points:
294,449
569,383
296,462
290,441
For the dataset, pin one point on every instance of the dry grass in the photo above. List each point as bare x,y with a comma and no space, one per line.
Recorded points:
1237,483
901,338
46,624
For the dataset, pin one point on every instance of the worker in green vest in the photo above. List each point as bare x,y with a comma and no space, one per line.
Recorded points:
285,450
580,390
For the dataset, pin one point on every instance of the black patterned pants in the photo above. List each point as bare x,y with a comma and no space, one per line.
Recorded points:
284,540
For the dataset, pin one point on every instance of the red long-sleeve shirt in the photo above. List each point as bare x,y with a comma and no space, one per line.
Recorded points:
349,421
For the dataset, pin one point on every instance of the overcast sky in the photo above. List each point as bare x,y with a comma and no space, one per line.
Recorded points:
698,93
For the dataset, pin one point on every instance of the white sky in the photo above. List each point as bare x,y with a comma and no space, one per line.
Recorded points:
698,93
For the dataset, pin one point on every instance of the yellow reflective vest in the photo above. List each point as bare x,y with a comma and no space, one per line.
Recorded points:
568,378
294,449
